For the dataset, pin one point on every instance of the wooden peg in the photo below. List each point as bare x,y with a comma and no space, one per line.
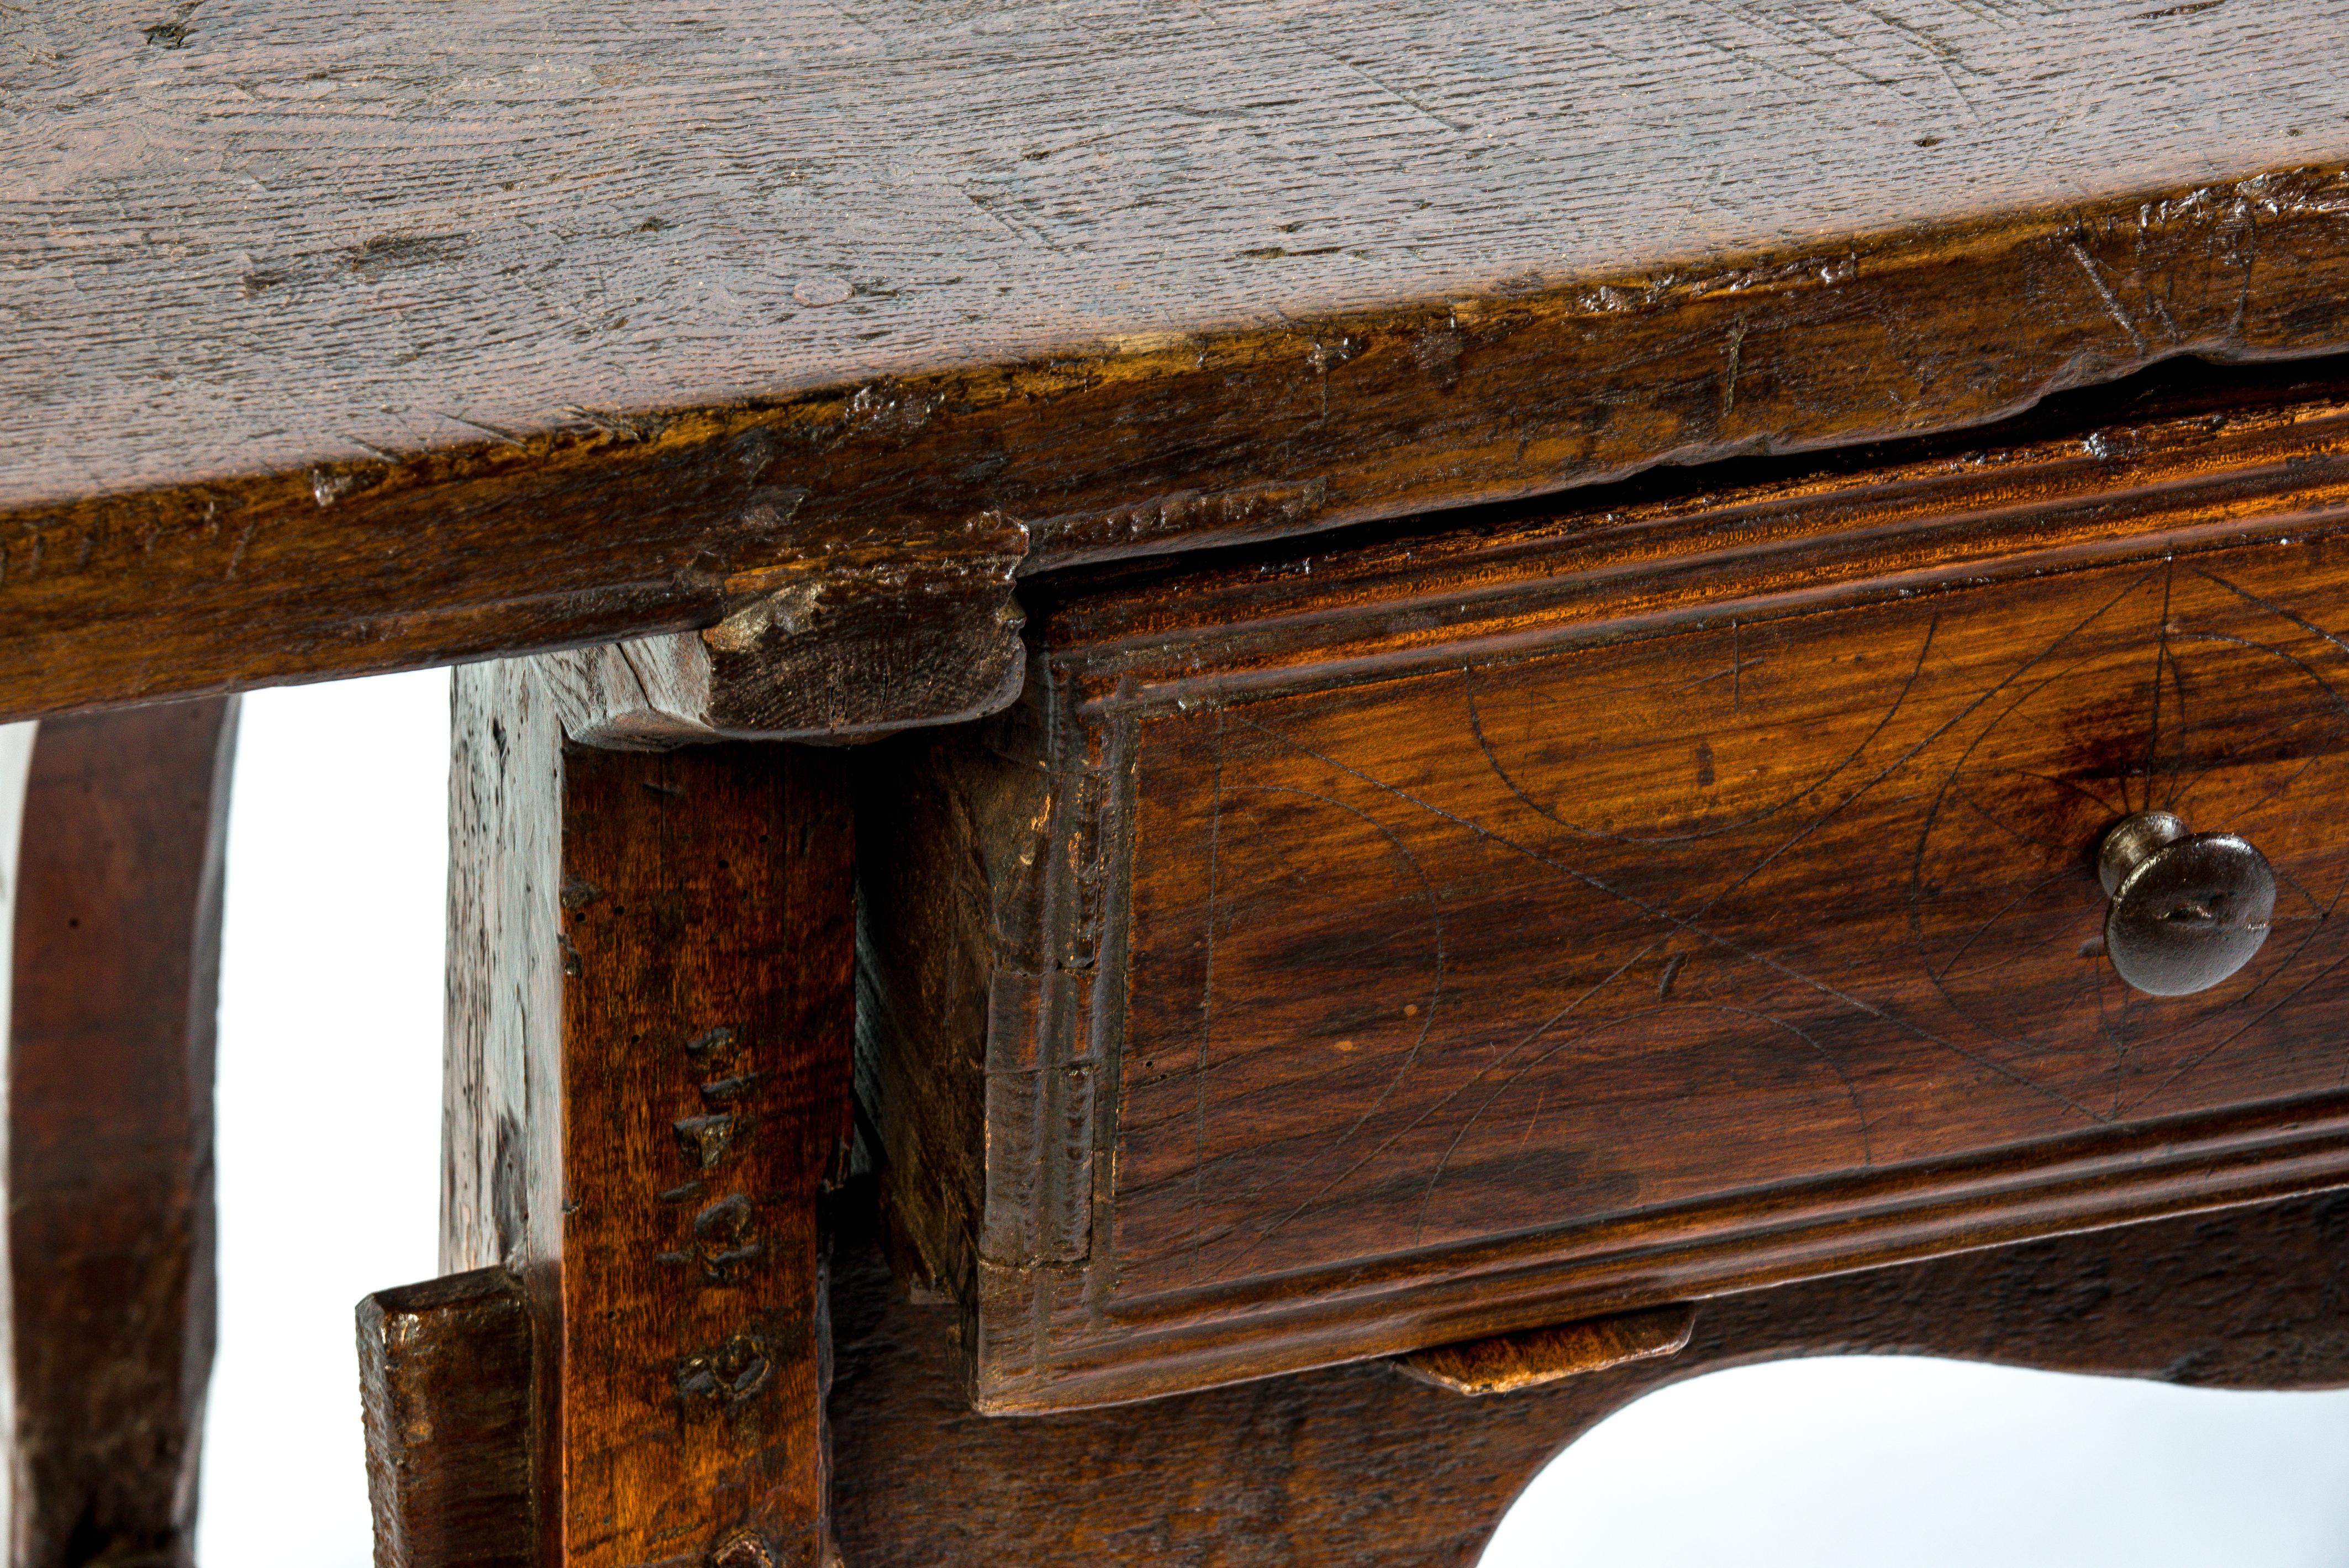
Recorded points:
1508,1362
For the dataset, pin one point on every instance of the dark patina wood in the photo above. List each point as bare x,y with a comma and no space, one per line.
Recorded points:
446,1383
739,365
110,1224
870,497
648,1084
261,237
849,648
1363,1466
1573,913
1366,1464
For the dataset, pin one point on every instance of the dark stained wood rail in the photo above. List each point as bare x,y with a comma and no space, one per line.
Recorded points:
891,497
110,1177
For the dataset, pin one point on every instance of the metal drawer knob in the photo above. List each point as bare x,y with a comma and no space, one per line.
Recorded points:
2187,908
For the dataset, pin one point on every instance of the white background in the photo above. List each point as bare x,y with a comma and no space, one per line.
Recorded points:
329,1117
329,1129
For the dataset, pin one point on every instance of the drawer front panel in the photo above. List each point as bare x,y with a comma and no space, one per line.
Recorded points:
1375,964
1515,947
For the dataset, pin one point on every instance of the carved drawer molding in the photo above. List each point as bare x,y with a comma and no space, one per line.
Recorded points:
1564,916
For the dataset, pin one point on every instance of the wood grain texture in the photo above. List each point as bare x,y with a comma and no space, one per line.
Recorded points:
446,1389
842,652
253,236
1509,1363
1361,1467
953,891
116,987
627,524
1447,938
659,945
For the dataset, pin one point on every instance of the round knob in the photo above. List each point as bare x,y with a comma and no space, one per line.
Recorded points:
2187,908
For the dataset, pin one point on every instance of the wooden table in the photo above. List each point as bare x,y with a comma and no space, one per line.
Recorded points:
1210,764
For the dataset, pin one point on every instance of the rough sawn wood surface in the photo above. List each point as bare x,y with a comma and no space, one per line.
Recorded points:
241,236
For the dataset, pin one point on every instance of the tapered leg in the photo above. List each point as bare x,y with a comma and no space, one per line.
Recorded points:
115,989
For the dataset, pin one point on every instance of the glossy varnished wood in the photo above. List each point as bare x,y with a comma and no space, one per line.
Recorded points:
648,1085
892,498
1546,920
1361,1465
110,1223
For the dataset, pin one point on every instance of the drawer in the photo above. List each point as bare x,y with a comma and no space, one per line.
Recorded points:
1345,955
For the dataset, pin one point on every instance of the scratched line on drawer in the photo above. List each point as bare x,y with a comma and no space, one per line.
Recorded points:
1693,915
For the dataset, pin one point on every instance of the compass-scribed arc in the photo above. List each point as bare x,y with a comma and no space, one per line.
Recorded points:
1748,725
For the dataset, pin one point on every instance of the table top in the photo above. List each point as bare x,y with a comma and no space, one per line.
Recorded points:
245,236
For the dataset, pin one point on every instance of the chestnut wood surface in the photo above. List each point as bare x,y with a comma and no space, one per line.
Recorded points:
257,235
848,652
111,1020
1566,914
1368,1464
862,502
447,1385
1361,1465
648,1083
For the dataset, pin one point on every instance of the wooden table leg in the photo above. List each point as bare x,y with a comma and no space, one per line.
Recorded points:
648,1083
115,989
